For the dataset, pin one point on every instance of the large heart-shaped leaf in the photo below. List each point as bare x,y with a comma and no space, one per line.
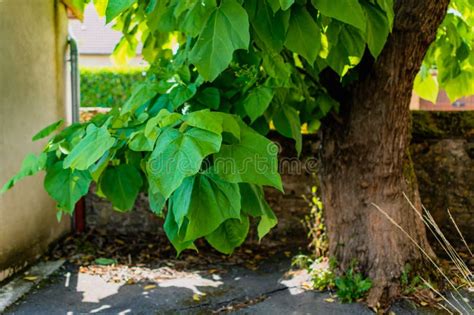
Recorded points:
178,155
252,160
255,205
91,148
116,7
31,165
349,11
66,186
204,202
287,122
229,235
226,30
257,101
173,233
304,35
216,122
121,184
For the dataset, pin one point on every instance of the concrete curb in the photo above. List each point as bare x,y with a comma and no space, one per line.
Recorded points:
20,285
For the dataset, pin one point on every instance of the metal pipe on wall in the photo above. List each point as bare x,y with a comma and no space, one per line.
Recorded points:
79,217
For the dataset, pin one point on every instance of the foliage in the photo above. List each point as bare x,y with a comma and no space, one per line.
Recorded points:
322,274
321,271
182,158
450,57
221,70
108,86
410,282
352,285
314,221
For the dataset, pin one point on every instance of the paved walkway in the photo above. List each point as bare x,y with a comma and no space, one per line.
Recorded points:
269,290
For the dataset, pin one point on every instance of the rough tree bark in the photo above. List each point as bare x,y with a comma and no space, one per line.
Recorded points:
365,157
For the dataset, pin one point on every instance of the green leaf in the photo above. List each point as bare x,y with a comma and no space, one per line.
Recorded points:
31,165
98,168
141,94
157,202
140,142
163,119
314,126
286,4
47,130
229,235
205,201
91,148
209,97
216,122
163,102
347,45
274,4
178,155
226,30
254,204
121,184
116,7
348,11
253,200
304,35
267,222
276,67
105,261
427,87
279,4
377,29
287,122
353,41
257,101
206,120
174,235
230,124
66,186
325,105
269,27
162,18
461,85
387,6
252,160
195,18
182,93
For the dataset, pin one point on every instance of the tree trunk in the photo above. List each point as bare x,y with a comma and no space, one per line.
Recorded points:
365,158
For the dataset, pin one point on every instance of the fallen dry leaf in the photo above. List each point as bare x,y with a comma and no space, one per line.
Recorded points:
149,287
30,278
197,297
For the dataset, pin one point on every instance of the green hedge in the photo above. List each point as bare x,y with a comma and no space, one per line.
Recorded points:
107,86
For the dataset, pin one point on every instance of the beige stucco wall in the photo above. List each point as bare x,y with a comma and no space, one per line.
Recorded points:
32,57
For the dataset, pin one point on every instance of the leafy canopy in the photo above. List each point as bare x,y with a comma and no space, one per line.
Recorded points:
192,135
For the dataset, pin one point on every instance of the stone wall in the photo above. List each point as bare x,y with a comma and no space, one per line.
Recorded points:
443,152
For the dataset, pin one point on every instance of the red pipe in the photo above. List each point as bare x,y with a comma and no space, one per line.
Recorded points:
79,219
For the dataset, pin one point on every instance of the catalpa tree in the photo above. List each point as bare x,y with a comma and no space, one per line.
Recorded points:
223,72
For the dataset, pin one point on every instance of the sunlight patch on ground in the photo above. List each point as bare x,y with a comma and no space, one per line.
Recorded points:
294,280
95,289
191,282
